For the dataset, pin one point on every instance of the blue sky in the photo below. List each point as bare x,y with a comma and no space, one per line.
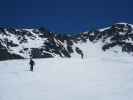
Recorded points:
65,15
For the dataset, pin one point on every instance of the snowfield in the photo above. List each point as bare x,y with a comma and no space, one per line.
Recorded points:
94,78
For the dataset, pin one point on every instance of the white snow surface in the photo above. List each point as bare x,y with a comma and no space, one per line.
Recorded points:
101,77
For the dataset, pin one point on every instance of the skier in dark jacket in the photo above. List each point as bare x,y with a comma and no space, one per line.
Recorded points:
32,63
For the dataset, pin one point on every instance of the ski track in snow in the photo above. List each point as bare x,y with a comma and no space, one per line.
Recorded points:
67,79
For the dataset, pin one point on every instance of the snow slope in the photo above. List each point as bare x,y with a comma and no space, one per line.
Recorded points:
101,78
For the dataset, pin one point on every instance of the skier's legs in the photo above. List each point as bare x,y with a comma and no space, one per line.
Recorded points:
31,68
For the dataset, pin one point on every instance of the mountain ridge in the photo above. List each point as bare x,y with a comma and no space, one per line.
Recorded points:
41,43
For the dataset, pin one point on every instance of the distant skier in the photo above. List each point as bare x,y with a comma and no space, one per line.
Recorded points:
79,52
32,63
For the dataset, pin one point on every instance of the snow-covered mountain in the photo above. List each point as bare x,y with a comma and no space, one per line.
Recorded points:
103,74
116,38
40,43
